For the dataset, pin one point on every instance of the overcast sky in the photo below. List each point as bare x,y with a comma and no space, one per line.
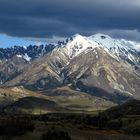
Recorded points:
55,19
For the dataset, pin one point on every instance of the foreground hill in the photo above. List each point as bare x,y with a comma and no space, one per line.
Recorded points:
125,117
129,108
33,105
64,99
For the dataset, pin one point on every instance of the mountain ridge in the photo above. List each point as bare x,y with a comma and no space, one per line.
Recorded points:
98,65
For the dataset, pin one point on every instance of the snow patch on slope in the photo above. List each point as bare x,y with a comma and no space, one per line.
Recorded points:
19,56
26,57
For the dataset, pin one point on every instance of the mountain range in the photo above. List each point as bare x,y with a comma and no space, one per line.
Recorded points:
80,73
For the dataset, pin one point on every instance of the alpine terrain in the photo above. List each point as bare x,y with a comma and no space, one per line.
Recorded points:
81,73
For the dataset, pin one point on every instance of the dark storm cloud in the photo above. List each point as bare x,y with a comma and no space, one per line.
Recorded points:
47,18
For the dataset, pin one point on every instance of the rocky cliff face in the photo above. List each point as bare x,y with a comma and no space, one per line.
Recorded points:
13,60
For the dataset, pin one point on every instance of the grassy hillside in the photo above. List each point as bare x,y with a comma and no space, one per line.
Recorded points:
11,94
33,105
19,99
78,101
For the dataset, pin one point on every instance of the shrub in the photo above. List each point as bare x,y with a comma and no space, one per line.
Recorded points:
56,134
114,124
15,127
133,128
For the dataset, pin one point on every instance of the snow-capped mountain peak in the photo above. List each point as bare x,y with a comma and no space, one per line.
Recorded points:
109,42
117,48
77,36
78,44
102,39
